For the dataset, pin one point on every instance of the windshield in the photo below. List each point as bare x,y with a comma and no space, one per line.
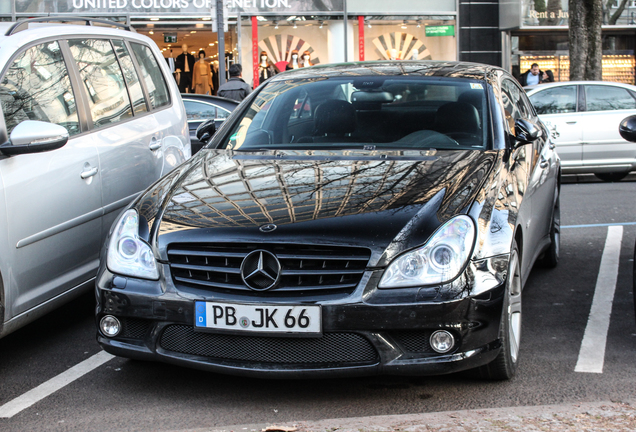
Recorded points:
364,113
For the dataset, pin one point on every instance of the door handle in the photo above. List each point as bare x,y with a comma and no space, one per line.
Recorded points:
552,146
154,144
570,122
544,162
88,173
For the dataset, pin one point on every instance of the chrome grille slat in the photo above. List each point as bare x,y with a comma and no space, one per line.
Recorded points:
304,268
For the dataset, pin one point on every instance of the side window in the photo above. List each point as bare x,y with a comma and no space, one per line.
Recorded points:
555,100
198,110
222,113
157,87
512,110
36,87
607,98
132,79
104,83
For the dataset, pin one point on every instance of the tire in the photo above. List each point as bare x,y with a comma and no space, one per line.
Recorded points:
550,258
504,366
611,177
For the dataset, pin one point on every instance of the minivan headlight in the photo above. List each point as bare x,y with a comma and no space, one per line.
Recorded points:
440,260
128,254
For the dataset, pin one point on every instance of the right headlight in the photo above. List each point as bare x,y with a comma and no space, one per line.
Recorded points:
440,260
128,254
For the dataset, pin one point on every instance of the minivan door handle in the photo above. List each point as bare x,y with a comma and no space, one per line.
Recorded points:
88,173
154,144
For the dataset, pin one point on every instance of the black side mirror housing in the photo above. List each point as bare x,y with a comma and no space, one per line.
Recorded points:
627,128
526,132
206,130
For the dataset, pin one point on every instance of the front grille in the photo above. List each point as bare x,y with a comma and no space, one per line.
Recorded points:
304,268
134,328
414,341
330,349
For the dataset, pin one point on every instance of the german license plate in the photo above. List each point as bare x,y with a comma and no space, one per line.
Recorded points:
258,318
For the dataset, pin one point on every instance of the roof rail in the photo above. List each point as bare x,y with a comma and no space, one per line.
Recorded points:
89,22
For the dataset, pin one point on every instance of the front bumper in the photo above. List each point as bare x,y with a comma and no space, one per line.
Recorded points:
368,333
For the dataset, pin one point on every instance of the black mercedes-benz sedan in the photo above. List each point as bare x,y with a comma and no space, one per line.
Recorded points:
354,219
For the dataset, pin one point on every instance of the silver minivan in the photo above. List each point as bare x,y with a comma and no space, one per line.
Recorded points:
90,116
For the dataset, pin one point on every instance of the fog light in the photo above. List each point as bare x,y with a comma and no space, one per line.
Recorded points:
110,326
442,341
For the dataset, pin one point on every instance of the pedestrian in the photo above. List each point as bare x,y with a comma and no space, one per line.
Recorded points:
532,76
235,88
549,77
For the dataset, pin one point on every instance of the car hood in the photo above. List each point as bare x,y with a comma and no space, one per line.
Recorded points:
386,201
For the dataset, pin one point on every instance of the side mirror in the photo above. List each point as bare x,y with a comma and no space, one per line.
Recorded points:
206,130
526,132
33,136
627,128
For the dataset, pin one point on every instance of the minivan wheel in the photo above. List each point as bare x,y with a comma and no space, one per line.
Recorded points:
504,366
611,177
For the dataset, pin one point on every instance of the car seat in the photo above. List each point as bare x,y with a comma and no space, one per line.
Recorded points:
460,121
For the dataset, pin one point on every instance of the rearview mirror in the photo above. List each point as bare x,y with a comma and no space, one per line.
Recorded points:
526,132
33,136
206,130
627,128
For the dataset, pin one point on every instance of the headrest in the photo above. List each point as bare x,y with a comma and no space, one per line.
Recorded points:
473,97
457,117
335,117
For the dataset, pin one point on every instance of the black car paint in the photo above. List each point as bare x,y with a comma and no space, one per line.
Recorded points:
495,188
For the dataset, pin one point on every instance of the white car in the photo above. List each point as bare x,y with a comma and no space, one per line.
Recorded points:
89,117
583,118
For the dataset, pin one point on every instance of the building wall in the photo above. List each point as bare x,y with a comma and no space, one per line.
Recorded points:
479,35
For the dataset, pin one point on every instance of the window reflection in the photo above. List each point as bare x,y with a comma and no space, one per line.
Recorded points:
157,90
107,95
132,79
36,87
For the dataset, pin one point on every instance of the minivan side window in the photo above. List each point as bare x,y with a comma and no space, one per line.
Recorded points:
36,87
132,79
103,81
157,88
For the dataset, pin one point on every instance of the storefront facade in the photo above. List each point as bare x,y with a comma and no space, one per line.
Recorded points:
330,31
536,31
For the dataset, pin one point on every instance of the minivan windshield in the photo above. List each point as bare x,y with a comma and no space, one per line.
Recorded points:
364,112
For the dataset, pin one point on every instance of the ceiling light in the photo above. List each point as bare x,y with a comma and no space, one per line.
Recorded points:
154,19
193,31
404,24
321,23
276,24
151,32
261,18
206,19
211,44
295,26
419,23
368,24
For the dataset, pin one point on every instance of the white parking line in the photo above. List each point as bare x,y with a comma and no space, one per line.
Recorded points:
592,353
35,395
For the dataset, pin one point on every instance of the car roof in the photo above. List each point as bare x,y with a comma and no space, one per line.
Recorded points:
422,68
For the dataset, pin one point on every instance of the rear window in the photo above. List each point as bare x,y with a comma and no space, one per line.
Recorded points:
152,76
364,112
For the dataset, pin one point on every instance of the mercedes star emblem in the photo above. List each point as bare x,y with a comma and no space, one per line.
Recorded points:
267,227
260,270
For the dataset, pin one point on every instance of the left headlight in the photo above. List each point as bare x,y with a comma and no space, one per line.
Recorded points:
128,254
440,260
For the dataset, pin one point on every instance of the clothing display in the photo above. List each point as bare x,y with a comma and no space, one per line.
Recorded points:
185,62
202,78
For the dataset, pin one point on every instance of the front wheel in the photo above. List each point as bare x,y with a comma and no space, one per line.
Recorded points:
504,366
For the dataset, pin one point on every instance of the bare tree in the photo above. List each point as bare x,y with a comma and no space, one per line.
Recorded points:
613,17
585,43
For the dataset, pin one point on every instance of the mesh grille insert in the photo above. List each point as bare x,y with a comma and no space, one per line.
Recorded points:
415,341
134,328
332,348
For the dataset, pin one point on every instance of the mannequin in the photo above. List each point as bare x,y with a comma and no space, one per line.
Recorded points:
293,64
202,76
171,64
393,54
185,65
266,69
414,54
306,60
215,76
